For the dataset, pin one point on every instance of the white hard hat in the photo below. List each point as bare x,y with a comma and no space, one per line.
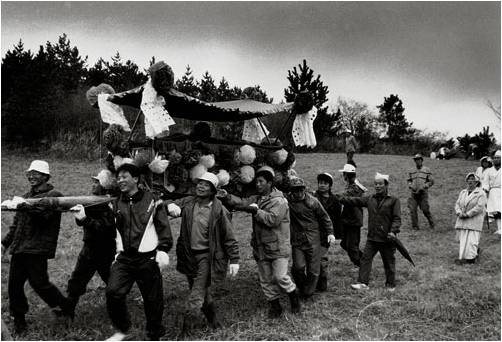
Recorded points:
39,165
211,178
266,168
497,154
348,168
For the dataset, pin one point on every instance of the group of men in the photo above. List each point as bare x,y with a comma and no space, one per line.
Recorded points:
128,241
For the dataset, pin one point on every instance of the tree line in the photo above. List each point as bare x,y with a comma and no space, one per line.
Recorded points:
44,104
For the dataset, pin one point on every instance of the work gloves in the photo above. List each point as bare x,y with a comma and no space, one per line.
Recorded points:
331,238
162,259
252,208
174,210
233,269
78,212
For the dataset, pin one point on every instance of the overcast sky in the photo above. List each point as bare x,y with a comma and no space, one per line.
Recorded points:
442,59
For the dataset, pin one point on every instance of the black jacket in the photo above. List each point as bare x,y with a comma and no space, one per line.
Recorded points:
334,210
99,228
35,232
132,215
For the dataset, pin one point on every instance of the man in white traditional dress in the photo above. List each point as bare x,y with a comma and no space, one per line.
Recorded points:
491,185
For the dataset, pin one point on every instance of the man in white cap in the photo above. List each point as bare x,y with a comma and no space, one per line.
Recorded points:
491,185
419,181
32,240
270,239
98,251
384,221
350,147
205,247
352,216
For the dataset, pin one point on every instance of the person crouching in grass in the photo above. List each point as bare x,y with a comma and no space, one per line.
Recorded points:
384,221
205,246
470,211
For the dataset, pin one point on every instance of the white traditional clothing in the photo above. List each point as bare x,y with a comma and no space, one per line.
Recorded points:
491,184
480,172
469,228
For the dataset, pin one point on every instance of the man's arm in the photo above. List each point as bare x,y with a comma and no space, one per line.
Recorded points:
230,243
274,216
430,180
7,240
354,201
163,228
325,223
396,217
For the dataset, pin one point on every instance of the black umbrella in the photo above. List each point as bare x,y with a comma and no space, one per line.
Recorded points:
400,247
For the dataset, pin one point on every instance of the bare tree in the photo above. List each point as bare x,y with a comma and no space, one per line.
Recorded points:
494,108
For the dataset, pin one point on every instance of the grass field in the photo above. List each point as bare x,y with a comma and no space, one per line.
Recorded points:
436,300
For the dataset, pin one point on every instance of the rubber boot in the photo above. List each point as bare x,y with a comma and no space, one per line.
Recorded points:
299,279
209,311
322,284
20,325
294,301
275,310
310,285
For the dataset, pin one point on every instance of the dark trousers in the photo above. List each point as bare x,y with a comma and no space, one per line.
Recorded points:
90,260
199,285
350,159
387,251
421,201
143,270
351,237
33,268
306,267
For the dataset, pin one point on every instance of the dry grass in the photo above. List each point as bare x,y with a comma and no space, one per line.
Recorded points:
437,300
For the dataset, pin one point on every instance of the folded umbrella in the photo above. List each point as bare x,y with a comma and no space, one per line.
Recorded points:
400,247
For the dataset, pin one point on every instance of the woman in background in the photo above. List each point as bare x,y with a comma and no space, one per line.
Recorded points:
470,211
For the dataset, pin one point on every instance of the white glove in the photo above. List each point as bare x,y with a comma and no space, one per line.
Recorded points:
221,193
331,238
233,269
174,210
254,205
78,212
162,259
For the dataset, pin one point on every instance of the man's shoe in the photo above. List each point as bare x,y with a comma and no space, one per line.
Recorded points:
209,311
118,336
294,300
360,286
275,309
20,325
459,261
155,336
322,284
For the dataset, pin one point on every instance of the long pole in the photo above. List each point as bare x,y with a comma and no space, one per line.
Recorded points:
284,127
134,126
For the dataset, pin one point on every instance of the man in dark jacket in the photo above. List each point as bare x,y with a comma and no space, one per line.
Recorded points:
270,239
309,221
98,251
143,241
334,210
205,246
352,217
384,221
32,239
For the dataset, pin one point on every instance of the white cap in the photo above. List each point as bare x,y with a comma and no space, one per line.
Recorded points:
348,168
211,178
378,175
266,168
39,165
497,154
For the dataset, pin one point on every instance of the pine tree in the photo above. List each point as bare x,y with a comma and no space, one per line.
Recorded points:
187,84
207,88
223,92
392,116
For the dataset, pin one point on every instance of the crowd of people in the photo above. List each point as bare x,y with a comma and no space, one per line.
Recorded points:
128,241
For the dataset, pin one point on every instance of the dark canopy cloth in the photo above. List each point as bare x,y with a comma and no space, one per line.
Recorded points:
180,105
